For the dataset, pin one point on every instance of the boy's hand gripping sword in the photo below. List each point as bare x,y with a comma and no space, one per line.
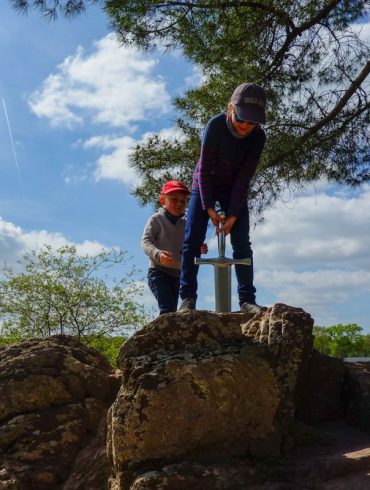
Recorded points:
222,270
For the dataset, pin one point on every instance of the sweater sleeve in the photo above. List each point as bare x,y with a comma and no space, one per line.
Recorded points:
247,170
206,163
148,241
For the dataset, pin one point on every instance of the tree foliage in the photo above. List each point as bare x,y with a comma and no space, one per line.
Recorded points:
61,292
51,8
309,56
109,346
340,340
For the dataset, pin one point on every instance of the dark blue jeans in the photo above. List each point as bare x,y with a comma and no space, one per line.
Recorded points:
195,233
165,289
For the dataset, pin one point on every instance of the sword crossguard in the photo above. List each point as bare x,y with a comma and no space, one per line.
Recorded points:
222,261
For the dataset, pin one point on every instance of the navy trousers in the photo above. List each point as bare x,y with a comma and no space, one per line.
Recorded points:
195,233
165,289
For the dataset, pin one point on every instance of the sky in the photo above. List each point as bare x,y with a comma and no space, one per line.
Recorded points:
73,104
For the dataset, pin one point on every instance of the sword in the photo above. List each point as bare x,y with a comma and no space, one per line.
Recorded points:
222,272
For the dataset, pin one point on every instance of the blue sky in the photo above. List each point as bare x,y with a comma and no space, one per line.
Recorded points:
76,103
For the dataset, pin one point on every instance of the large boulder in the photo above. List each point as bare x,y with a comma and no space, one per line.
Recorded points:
204,399
340,462
357,394
53,394
320,390
287,333
204,386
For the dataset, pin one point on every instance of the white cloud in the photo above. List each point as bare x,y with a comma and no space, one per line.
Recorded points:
329,229
114,162
196,78
320,287
363,30
115,85
315,254
15,242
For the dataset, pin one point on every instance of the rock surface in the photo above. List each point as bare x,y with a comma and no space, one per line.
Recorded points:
53,394
339,460
207,401
203,385
357,395
320,390
287,333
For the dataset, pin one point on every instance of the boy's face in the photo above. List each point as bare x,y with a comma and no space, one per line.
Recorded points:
174,202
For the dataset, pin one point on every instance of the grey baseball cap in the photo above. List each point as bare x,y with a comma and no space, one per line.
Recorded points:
249,100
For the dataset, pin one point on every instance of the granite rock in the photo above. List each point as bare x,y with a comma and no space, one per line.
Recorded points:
205,385
53,394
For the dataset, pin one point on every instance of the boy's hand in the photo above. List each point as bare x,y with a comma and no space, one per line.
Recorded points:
204,249
229,223
215,218
166,258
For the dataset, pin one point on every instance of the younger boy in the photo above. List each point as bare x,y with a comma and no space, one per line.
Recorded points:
162,241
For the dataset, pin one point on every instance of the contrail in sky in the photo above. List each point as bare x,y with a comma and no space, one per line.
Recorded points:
13,146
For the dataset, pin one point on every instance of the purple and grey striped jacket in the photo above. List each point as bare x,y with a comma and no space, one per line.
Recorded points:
226,164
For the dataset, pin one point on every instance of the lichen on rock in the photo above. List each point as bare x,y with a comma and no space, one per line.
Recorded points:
53,393
204,385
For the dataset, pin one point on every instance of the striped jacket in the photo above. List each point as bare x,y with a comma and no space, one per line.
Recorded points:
226,164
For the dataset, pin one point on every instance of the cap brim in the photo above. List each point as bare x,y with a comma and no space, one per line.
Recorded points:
177,189
251,113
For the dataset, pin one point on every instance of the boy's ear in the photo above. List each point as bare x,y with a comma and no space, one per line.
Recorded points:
161,200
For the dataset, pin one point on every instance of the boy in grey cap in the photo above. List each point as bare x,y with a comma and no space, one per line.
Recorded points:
162,241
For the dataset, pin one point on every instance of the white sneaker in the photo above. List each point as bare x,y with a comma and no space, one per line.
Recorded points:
251,308
187,304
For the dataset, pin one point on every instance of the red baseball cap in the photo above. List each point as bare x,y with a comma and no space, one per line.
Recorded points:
174,185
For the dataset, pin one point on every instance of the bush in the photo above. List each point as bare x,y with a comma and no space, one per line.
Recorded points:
108,346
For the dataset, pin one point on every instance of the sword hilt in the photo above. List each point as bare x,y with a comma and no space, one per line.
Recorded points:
221,236
221,260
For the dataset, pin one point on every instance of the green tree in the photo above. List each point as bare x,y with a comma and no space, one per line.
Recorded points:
322,339
366,345
109,347
51,8
339,340
62,292
309,56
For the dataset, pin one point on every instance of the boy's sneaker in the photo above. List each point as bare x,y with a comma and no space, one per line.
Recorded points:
251,308
187,304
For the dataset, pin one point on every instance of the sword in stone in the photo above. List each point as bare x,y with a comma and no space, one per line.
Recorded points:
222,272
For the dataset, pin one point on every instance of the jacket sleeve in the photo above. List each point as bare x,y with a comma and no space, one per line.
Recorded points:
247,170
206,164
149,239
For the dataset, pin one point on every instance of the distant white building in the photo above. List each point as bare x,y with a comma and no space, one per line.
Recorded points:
357,359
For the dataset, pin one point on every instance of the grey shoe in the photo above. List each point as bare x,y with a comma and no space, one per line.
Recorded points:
187,304
251,308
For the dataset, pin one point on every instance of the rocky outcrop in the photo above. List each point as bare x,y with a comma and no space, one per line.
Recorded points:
319,395
340,460
287,333
54,392
204,386
357,395
206,401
